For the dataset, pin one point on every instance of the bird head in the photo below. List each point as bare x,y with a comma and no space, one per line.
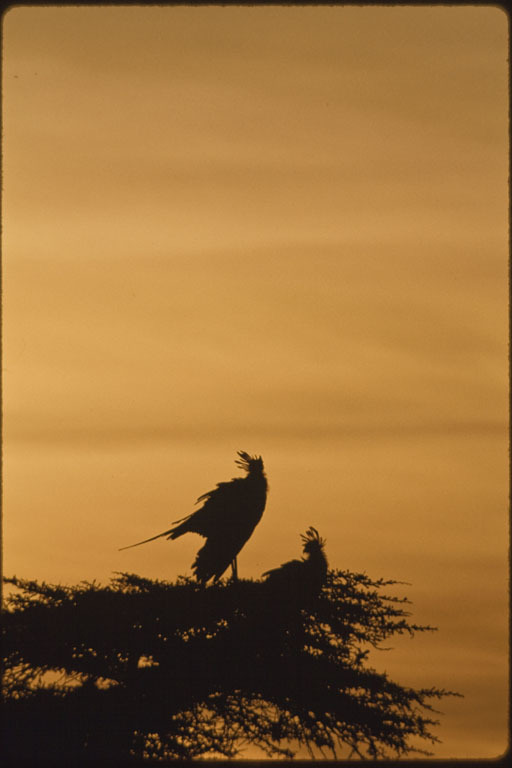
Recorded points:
249,463
312,542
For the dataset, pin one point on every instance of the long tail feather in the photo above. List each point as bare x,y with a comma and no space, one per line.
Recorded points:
158,536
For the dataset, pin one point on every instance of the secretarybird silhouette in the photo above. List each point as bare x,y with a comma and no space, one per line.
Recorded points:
227,518
301,579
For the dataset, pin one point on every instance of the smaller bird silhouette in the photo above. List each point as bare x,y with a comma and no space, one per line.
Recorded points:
226,520
302,580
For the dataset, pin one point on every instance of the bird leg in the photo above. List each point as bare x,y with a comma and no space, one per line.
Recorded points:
234,567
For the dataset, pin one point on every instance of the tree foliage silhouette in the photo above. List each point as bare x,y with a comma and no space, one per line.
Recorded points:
174,670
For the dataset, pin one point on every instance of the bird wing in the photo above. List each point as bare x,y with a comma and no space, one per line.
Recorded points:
286,571
221,510
218,513
230,511
213,559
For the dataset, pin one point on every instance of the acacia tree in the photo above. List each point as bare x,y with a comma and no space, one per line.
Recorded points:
144,668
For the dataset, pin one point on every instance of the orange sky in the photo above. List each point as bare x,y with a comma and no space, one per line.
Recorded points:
276,229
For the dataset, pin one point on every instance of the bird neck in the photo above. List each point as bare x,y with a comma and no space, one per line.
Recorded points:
317,558
257,477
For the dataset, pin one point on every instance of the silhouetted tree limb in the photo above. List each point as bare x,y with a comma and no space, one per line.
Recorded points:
176,670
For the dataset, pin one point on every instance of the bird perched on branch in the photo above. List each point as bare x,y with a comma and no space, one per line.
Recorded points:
227,518
302,580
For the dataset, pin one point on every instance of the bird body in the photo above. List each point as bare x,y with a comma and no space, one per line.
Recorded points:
226,519
302,579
